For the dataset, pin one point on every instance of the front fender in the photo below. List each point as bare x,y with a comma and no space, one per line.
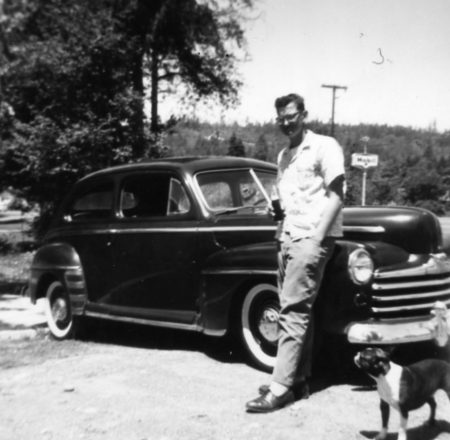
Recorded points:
58,261
227,276
341,300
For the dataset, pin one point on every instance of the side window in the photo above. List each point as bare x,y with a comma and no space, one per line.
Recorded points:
250,193
268,181
178,199
145,195
217,194
95,203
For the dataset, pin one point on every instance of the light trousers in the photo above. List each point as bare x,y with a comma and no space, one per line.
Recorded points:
301,267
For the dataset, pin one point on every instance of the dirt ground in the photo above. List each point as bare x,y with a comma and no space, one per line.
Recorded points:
137,383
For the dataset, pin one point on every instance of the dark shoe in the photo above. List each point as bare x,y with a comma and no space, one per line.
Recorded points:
269,402
301,390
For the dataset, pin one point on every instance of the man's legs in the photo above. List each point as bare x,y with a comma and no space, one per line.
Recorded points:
300,274
300,277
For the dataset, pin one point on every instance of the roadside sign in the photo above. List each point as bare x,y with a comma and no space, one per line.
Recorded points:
364,161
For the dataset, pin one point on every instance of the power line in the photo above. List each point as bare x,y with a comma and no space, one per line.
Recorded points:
334,99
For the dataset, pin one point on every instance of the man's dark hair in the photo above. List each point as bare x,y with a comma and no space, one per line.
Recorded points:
283,101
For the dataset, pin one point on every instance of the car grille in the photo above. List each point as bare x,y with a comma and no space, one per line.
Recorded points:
395,295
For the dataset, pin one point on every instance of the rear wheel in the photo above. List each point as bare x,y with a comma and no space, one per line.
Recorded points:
259,325
61,322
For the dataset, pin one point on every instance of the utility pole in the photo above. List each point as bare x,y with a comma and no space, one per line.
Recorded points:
334,99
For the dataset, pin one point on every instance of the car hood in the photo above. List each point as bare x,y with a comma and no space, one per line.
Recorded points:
415,230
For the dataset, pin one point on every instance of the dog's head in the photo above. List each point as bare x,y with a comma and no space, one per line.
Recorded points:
374,361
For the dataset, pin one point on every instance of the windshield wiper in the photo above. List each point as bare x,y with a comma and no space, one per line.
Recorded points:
227,211
240,209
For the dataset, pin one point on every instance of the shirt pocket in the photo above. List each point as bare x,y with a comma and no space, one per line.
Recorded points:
307,170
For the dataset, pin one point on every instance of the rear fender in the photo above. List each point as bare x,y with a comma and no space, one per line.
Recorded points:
58,261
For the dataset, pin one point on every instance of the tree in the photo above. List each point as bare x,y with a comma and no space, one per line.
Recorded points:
422,185
6,57
69,88
189,46
236,147
77,87
261,148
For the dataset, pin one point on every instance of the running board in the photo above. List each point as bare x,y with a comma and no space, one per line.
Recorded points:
150,322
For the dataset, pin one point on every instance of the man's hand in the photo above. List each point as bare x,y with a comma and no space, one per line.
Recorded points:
335,202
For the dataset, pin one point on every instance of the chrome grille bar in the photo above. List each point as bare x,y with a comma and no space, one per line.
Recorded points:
393,291
436,265
412,296
411,307
410,284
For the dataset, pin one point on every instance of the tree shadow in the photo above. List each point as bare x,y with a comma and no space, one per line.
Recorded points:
334,364
133,335
329,375
422,432
328,369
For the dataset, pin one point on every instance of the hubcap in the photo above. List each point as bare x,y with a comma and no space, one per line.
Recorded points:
268,325
59,309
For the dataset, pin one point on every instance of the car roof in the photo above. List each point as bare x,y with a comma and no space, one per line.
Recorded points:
188,164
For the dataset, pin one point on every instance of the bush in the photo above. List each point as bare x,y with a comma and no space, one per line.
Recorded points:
26,246
434,206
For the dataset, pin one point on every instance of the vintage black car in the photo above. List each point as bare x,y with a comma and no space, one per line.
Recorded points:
188,243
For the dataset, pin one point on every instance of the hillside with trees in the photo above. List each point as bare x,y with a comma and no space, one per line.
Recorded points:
413,170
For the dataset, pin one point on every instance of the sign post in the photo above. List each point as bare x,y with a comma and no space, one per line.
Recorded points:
364,161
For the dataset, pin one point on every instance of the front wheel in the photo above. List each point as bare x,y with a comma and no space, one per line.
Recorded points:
259,325
60,321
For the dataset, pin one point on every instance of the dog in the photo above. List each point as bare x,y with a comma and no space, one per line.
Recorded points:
404,388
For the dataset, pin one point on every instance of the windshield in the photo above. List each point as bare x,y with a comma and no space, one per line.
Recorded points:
234,190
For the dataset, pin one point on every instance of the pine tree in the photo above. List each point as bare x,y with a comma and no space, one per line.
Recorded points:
261,148
236,147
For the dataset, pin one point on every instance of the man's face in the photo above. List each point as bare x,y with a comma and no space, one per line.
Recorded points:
290,120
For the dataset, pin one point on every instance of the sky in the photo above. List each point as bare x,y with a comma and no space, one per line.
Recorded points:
393,56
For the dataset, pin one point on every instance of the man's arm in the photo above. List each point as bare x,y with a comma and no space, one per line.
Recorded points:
334,205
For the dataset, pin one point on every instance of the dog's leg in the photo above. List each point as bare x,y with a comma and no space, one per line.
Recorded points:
384,407
432,404
403,424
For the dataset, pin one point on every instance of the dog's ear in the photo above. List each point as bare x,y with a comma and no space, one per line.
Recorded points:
383,354
387,354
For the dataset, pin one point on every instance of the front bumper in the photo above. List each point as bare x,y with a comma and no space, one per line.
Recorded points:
436,328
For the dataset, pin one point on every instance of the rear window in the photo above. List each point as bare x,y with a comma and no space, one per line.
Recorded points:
94,203
153,195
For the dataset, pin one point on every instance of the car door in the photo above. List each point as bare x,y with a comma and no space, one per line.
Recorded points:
154,249
86,228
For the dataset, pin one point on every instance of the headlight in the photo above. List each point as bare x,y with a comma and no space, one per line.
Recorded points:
360,266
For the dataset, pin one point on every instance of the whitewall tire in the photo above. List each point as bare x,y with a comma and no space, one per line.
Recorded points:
58,312
259,325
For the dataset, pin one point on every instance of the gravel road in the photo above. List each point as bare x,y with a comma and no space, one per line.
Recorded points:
137,383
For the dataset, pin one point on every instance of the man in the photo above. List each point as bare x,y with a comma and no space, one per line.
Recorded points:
310,186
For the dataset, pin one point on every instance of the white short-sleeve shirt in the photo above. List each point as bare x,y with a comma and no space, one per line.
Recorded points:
304,174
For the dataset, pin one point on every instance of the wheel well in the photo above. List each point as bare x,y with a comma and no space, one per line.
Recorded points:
44,283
